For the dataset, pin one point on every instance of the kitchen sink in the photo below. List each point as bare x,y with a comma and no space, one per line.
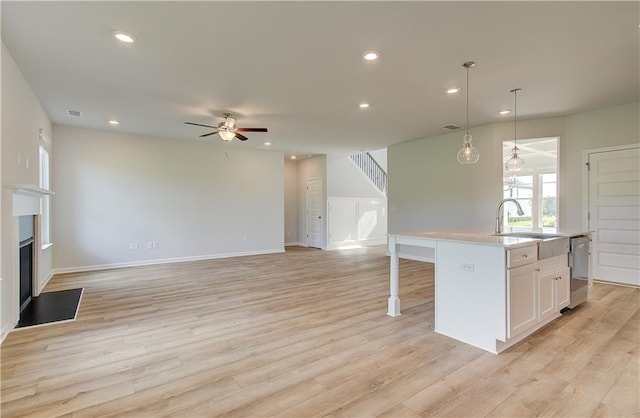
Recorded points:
550,245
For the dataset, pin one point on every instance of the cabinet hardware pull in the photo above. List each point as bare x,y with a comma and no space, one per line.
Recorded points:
524,255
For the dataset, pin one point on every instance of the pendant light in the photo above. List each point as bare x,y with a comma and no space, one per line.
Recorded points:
515,163
468,154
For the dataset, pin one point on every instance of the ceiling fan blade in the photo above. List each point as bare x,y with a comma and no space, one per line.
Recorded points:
252,129
241,137
199,124
210,133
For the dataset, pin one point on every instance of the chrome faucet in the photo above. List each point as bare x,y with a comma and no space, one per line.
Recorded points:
499,213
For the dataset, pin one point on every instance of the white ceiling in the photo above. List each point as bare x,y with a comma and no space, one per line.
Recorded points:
297,68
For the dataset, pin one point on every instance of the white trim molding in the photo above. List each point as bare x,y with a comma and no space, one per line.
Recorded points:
29,190
80,269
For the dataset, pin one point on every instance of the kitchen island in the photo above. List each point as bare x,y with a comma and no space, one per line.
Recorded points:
491,291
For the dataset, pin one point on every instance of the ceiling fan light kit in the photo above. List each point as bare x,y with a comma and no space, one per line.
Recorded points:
228,129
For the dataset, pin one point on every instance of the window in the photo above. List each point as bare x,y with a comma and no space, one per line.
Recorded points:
45,203
535,187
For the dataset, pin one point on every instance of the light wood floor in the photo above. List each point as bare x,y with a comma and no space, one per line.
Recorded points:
305,333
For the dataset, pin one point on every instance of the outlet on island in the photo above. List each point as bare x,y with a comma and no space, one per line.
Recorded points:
467,267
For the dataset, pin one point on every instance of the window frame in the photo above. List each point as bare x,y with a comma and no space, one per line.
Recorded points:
44,167
537,199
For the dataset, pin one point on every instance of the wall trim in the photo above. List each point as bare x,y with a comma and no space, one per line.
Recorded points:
45,281
295,244
5,332
80,269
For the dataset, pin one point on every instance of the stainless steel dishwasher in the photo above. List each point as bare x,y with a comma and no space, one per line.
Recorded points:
579,264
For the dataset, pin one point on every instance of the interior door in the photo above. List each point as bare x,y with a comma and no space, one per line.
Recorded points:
315,223
614,215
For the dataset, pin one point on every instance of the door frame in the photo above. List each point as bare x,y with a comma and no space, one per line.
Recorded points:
585,195
323,205
585,176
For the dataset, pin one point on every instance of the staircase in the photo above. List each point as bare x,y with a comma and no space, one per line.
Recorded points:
372,170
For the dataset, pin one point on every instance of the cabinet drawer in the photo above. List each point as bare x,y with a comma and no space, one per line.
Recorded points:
522,256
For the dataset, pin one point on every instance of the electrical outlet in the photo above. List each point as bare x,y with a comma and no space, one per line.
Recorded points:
134,246
467,267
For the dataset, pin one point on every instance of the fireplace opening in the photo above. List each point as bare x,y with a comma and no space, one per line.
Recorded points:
26,235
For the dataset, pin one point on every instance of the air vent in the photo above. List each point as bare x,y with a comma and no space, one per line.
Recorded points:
74,113
451,127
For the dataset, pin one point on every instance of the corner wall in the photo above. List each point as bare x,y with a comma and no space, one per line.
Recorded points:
291,203
22,119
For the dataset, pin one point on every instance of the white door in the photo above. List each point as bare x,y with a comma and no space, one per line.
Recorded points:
614,215
315,222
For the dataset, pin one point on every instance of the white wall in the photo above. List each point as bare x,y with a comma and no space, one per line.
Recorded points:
345,179
22,119
311,168
195,199
380,156
429,190
291,202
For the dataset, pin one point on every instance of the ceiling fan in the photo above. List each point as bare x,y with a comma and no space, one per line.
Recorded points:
228,129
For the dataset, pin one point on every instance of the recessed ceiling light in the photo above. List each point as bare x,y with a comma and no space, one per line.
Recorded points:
363,105
114,122
453,90
293,157
504,112
267,143
371,55
125,37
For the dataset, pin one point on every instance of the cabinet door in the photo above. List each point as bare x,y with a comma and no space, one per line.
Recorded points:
546,295
563,288
522,302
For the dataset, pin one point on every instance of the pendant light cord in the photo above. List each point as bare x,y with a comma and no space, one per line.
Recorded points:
467,100
515,119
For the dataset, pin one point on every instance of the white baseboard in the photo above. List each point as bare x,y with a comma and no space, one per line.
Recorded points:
295,244
46,280
4,333
80,269
335,245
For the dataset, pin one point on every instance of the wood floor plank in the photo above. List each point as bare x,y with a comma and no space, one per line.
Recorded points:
305,333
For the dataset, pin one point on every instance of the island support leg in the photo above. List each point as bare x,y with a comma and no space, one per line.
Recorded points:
394,300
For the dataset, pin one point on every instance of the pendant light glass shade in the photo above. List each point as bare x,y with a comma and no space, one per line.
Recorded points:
468,154
515,163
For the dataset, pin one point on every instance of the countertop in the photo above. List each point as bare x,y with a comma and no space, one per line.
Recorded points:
486,236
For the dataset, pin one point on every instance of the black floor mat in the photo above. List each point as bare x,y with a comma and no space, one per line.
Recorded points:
51,307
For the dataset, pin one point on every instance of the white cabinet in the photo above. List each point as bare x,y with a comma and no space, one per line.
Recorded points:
554,290
563,288
546,295
522,301
537,290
